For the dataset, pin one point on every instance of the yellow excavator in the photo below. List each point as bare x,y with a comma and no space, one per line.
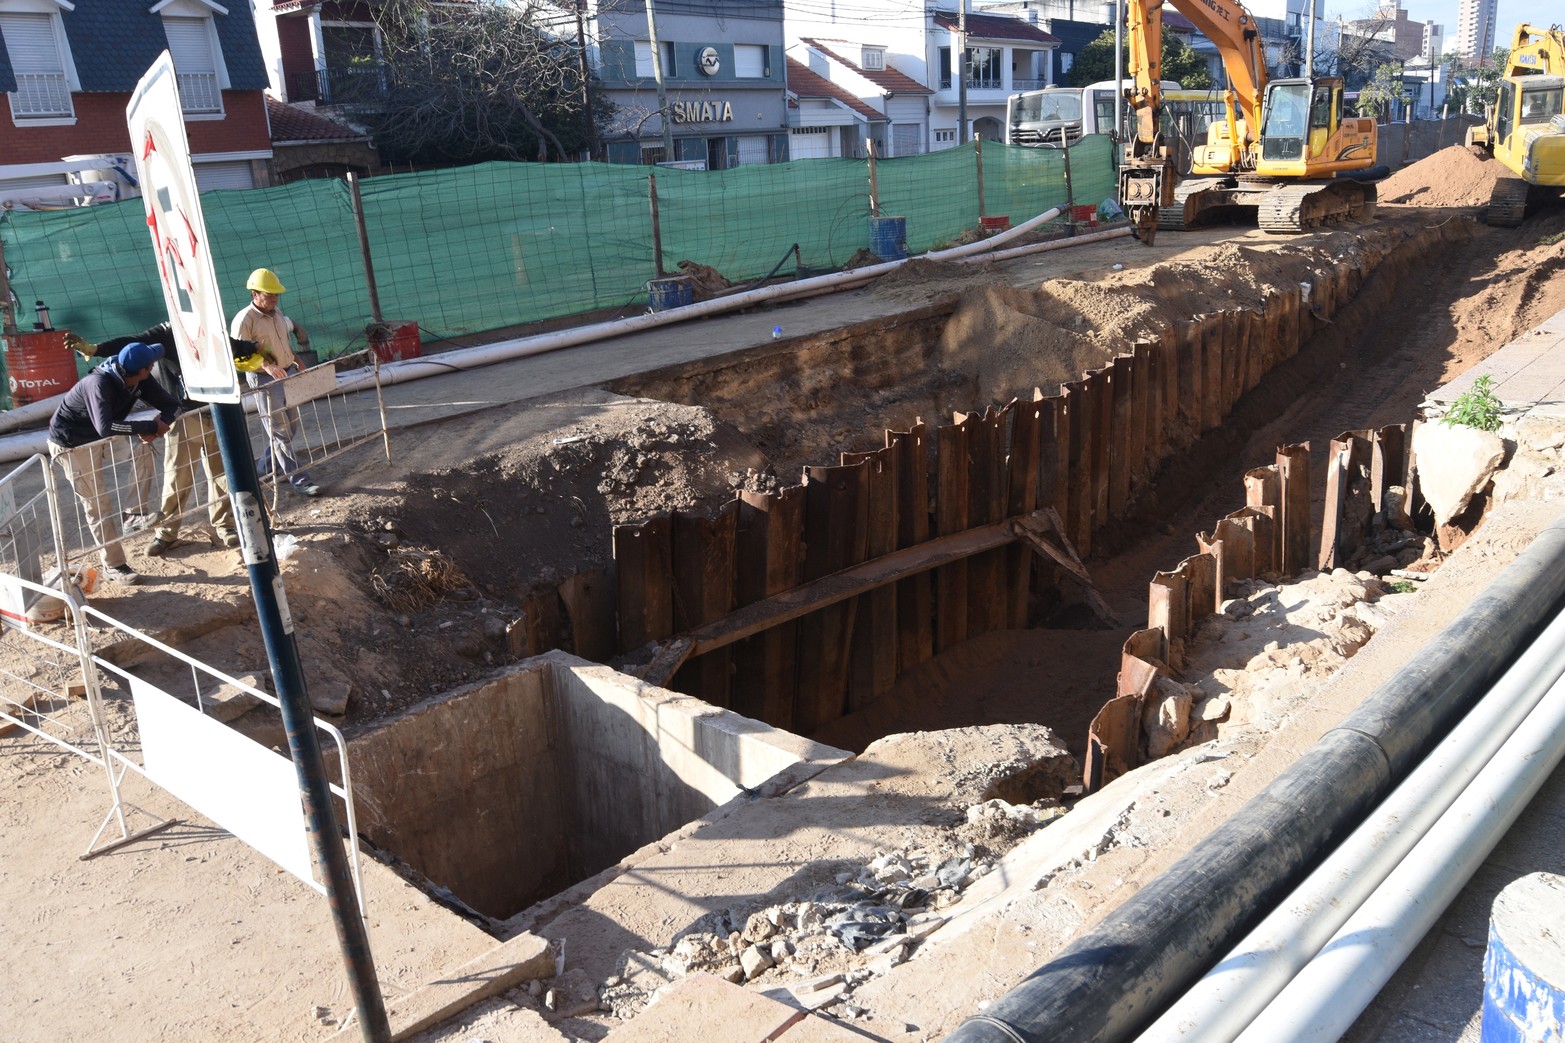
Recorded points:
1286,150
1525,131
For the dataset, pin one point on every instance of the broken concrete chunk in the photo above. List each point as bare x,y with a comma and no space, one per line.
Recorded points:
754,961
1454,463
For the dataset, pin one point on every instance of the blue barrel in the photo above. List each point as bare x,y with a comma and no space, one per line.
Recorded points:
888,238
1524,967
676,292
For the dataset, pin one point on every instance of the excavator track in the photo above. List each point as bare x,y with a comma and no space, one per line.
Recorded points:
1192,198
1507,203
1311,204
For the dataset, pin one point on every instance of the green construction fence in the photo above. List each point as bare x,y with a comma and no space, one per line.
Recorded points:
488,247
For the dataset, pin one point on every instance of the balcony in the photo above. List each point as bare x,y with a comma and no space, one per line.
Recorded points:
365,83
199,92
41,96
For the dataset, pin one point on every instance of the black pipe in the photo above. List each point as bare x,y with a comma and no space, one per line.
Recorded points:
1112,982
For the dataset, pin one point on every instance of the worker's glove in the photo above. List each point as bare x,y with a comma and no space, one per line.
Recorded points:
85,348
243,348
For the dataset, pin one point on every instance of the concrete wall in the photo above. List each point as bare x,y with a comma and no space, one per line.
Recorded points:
638,762
508,791
465,790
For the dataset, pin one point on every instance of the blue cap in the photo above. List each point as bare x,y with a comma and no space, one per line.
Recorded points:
138,356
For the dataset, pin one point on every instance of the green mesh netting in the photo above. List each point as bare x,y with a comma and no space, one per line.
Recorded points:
499,245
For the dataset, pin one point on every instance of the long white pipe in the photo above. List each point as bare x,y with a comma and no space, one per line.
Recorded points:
1219,1007
1329,994
21,446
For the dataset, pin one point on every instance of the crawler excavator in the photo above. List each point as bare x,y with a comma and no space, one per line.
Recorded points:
1285,151
1525,131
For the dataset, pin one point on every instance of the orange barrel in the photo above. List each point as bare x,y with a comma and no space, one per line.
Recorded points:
39,365
395,340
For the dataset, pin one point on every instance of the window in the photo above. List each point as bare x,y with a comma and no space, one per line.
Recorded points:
945,137
192,45
644,68
36,44
874,59
750,61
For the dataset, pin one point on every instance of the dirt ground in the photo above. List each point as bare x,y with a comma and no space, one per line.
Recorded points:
404,586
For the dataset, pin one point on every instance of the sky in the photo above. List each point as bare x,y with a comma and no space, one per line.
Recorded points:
1541,13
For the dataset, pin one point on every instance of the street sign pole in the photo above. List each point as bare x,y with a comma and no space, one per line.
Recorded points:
190,291
255,536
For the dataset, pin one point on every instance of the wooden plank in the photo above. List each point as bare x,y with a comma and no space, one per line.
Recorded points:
1252,332
951,507
1238,540
817,594
1212,410
1190,406
1293,470
588,598
836,532
1040,541
988,597
1159,398
1078,474
1142,397
1024,459
874,652
1212,547
643,582
1205,597
1388,464
704,568
1263,523
915,596
1100,385
1121,441
1233,361
770,553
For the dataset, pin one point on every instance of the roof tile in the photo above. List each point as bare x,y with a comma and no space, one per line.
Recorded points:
806,84
888,79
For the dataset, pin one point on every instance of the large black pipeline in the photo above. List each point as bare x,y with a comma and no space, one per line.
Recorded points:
1111,983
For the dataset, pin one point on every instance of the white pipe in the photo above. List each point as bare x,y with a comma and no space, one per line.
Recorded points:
20,446
33,412
1220,1006
1329,994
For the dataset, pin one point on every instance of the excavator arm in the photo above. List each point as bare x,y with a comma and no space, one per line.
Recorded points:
1147,174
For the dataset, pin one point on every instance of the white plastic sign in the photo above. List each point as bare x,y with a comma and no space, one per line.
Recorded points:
168,188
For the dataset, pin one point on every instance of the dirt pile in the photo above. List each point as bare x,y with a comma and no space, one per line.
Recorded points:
1454,176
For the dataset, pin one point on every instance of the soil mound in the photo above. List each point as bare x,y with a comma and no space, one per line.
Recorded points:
1451,177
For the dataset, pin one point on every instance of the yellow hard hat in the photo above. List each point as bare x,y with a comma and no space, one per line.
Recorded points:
250,363
265,280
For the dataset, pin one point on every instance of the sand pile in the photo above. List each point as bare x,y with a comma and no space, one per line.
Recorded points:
1451,177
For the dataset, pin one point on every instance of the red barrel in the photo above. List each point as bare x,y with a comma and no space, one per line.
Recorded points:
395,340
39,366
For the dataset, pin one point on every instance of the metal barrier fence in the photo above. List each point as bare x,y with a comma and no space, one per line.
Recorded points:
125,487
51,674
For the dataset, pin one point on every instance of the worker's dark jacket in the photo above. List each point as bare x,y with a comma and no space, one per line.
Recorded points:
167,370
97,407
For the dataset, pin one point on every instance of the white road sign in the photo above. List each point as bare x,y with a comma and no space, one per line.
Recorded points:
168,186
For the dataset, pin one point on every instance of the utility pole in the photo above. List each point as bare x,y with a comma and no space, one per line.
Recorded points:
1309,45
664,115
586,77
1119,71
961,72
7,316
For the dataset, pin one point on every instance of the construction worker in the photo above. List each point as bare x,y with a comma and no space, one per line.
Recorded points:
264,323
94,411
191,438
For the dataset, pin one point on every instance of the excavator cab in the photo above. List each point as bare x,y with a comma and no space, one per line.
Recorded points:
1305,134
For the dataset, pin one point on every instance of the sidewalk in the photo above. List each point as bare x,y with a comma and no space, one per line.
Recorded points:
1437,995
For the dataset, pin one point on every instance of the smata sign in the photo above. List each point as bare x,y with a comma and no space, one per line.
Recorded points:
168,188
708,61
703,111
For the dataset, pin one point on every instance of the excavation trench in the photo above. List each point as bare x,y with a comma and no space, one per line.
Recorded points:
955,550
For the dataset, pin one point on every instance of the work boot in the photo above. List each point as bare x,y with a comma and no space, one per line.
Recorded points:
122,574
160,547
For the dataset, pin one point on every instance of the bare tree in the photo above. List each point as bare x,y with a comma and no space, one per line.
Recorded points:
496,79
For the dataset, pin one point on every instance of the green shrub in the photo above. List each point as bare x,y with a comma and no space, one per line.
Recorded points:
1477,407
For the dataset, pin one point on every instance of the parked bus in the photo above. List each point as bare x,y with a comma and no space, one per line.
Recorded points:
1056,116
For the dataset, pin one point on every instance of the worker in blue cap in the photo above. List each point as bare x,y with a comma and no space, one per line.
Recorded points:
94,411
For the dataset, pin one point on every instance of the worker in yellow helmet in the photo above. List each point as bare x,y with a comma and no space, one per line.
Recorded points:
263,322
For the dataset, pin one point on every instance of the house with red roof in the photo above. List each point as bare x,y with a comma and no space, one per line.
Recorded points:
68,68
860,70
